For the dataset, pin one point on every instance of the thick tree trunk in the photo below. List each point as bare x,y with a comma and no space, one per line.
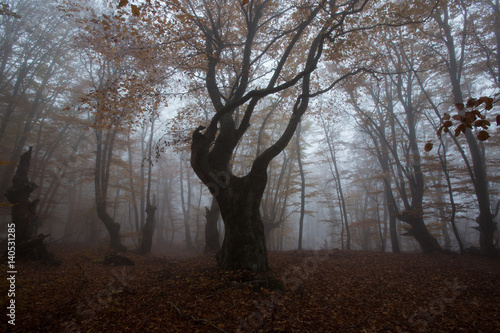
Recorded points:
148,228
23,210
112,227
487,228
268,228
419,231
244,245
211,233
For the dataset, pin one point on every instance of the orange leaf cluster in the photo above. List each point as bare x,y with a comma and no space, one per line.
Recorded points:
469,117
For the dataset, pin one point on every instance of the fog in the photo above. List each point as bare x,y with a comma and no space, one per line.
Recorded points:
247,136
51,65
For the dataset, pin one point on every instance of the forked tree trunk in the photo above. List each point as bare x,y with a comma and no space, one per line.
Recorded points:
413,215
112,227
101,184
244,245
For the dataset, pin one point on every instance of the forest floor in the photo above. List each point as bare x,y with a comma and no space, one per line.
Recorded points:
307,291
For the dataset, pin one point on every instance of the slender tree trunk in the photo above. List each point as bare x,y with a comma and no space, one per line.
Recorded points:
342,201
142,203
342,219
336,174
381,230
280,237
496,10
160,223
392,210
452,201
486,225
274,204
186,206
170,214
302,187
131,184
149,226
75,196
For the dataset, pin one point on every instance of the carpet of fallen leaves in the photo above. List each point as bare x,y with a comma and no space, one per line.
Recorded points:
307,291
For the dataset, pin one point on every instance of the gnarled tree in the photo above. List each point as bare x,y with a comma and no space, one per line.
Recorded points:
268,48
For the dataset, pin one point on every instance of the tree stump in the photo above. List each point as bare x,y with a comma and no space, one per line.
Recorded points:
28,244
23,210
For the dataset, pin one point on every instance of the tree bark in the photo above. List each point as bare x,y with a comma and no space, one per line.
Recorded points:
302,188
148,228
418,230
392,210
112,227
211,233
244,245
